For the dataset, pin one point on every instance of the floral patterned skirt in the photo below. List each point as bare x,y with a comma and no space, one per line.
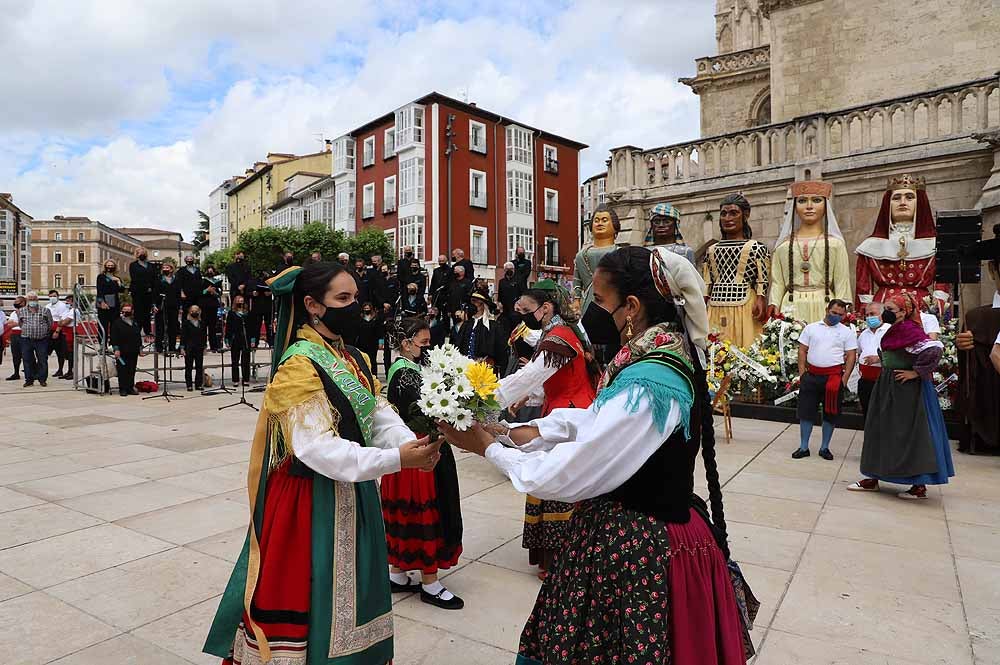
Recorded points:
610,594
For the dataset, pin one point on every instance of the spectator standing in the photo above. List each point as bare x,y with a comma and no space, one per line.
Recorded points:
193,343
458,259
372,330
36,331
440,279
827,352
190,284
109,291
404,267
344,259
3,332
413,303
238,274
209,303
508,292
126,341
61,318
315,257
287,261
481,338
168,300
522,268
869,345
459,291
67,333
142,284
14,337
238,340
260,311
418,276
362,278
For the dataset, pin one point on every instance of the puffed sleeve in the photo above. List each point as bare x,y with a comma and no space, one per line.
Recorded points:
779,280
841,265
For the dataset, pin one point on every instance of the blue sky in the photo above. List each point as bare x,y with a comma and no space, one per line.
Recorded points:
132,112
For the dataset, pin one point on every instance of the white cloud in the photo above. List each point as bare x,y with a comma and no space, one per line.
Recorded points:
600,72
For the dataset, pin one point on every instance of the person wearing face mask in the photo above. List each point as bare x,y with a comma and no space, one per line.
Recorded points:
362,278
640,547
209,303
238,340
404,267
562,365
143,278
315,557
238,275
413,303
440,278
522,268
126,341
906,441
189,278
168,300
481,337
421,511
36,332
13,332
260,311
193,342
371,330
827,352
62,317
509,290
109,290
459,290
391,304
459,259
869,345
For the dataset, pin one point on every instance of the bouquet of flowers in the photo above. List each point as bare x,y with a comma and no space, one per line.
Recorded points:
456,390
948,364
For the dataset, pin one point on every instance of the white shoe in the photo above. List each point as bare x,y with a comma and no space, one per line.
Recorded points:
910,495
858,487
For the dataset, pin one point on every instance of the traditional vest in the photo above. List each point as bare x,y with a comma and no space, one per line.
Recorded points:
571,386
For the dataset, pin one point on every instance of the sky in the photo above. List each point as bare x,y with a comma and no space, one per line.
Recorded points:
131,111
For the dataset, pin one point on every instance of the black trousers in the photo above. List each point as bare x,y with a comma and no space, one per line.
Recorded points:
126,373
211,327
194,359
57,345
812,393
865,388
166,329
240,358
107,317
15,353
143,306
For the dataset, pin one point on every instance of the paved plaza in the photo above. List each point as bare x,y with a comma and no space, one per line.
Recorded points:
120,520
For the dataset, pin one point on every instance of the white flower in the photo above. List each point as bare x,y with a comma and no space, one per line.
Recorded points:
432,381
462,386
461,419
440,360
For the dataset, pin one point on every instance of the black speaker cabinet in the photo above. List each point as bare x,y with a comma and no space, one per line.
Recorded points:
957,232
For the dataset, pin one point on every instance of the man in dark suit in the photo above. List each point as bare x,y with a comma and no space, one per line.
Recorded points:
190,280
458,291
509,291
238,274
440,279
522,269
126,340
458,259
208,302
361,277
168,300
142,282
418,276
404,267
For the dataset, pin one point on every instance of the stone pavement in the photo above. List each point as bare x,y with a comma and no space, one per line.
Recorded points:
120,518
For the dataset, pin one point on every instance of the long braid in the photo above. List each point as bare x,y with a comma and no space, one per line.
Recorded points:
791,267
826,254
704,407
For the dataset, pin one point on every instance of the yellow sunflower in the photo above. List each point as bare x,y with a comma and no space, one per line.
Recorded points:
482,378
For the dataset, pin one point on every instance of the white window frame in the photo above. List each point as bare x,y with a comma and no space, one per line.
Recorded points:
79,235
391,235
549,259
519,145
550,157
520,192
389,196
411,234
57,257
343,155
477,199
344,201
57,281
81,256
411,181
520,236
409,126
368,201
480,257
80,279
477,146
389,143
58,235
368,152
551,211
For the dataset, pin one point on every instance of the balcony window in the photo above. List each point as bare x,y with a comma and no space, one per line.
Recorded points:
477,189
368,201
477,244
343,155
81,257
477,137
551,251
57,281
551,161
79,236
411,181
520,237
520,192
551,205
409,127
411,234
389,195
344,198
389,146
519,145
57,258
368,152
58,235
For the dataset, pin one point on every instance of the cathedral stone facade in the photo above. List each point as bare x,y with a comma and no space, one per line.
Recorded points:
848,91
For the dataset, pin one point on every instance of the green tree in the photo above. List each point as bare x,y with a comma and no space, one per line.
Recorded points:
201,232
220,260
369,241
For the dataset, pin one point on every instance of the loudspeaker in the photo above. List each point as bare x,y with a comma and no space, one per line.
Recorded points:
957,230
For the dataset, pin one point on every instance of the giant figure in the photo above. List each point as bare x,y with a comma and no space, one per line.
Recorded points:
604,227
665,229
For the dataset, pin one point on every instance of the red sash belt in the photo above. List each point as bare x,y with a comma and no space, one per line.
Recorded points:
833,376
870,372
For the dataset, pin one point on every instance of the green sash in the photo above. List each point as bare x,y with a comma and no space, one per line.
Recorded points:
398,365
362,401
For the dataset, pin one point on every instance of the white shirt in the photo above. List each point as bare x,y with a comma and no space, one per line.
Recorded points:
60,311
3,320
827,344
316,444
869,343
524,382
930,323
584,453
998,336
996,300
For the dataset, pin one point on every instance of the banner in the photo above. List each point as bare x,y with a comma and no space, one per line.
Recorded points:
8,287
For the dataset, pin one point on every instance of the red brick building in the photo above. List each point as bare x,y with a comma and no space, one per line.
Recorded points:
440,174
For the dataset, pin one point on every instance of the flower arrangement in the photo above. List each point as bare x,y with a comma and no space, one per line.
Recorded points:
948,364
456,390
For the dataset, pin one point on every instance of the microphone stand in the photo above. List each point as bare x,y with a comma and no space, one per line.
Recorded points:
221,389
243,384
165,393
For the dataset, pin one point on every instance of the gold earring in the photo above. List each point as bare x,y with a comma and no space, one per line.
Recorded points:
315,319
628,326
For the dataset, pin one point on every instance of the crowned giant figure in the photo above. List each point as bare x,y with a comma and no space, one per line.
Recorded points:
898,257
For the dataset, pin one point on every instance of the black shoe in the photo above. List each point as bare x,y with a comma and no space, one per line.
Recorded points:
124,394
799,454
133,391
42,384
67,376
14,377
825,454
190,389
28,384
409,587
455,603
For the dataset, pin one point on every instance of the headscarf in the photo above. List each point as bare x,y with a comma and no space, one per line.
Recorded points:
283,287
680,282
908,330
561,296
666,210
797,189
884,241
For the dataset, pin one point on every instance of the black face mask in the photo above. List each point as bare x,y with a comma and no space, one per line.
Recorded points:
889,317
530,322
408,255
509,273
343,321
425,356
600,325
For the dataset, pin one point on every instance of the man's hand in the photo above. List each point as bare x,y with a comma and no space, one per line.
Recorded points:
420,454
869,360
475,439
517,406
964,341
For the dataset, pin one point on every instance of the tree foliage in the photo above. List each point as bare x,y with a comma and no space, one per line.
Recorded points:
201,231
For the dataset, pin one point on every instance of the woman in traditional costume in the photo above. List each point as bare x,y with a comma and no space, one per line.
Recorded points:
310,584
906,442
643,576
810,265
422,512
559,366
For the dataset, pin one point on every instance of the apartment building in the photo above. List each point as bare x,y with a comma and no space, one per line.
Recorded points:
72,250
15,248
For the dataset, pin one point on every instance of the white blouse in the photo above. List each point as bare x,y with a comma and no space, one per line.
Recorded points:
525,382
316,444
584,453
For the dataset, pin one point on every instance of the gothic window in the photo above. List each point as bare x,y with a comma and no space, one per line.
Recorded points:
762,114
725,40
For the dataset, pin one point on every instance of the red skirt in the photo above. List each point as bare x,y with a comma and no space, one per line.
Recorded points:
414,534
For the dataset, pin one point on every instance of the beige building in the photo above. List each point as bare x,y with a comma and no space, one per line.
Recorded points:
15,248
848,91
161,244
72,250
261,187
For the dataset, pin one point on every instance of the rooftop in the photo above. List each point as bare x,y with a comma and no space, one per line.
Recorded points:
145,231
168,244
